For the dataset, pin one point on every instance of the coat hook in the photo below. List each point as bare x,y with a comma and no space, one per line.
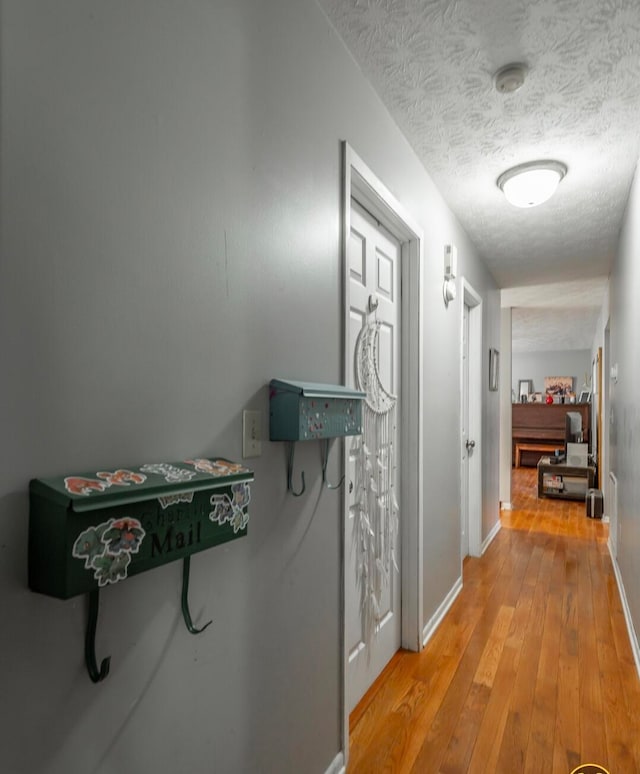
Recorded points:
324,452
186,568
95,674
290,473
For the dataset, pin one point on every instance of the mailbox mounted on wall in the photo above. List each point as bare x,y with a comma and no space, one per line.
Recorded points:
91,530
302,411
306,411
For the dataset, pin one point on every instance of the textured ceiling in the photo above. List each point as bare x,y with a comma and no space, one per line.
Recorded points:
567,320
432,63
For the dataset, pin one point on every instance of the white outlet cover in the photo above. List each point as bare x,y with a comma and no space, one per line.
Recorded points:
251,433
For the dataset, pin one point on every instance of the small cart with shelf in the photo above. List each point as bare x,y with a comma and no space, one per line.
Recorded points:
569,482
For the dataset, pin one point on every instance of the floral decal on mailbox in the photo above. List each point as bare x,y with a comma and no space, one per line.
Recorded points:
77,485
231,509
122,478
84,486
171,473
111,569
216,467
107,548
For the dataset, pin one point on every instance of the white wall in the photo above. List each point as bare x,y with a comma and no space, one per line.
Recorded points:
537,365
624,408
170,242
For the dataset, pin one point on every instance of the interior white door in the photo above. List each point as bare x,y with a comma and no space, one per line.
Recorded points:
374,278
466,440
471,409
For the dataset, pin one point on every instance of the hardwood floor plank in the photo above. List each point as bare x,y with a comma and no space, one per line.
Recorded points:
441,729
366,725
566,753
593,743
543,719
513,749
486,671
531,669
461,743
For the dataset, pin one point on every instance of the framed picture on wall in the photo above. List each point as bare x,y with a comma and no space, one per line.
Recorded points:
558,385
494,369
525,387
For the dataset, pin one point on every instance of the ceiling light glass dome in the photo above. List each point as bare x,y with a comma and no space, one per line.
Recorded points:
531,184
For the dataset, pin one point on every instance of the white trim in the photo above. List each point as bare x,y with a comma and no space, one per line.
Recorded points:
506,507
436,619
412,412
473,300
612,508
489,539
337,765
633,639
361,183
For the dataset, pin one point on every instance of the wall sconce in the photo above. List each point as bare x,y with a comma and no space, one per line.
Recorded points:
450,271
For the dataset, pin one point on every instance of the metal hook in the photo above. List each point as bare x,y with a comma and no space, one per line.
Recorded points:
95,674
186,568
324,452
290,473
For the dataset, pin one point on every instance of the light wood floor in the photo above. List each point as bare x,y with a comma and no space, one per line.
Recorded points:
531,670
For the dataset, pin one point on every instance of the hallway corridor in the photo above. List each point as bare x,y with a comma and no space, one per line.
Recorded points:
531,669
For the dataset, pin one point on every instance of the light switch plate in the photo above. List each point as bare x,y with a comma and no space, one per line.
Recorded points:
251,433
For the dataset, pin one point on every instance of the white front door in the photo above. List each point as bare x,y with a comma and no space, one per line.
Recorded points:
373,292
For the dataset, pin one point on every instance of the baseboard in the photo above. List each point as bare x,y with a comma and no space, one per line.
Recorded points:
633,639
487,541
505,506
337,765
436,618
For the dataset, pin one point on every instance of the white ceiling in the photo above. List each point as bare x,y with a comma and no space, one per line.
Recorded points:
557,316
432,63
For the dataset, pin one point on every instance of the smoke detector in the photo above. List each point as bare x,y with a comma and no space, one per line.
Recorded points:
510,78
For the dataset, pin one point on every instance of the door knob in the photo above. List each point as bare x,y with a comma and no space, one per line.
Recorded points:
471,445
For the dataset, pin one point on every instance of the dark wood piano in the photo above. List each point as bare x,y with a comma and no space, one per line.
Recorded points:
542,426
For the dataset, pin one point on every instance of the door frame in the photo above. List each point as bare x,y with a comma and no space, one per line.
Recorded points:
473,301
359,182
607,480
464,422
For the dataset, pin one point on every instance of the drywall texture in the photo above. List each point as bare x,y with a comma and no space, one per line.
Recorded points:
624,408
171,242
537,365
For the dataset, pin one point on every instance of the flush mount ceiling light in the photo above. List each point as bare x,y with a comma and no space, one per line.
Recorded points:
530,184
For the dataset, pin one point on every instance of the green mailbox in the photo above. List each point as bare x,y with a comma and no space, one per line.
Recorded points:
307,411
303,411
90,530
